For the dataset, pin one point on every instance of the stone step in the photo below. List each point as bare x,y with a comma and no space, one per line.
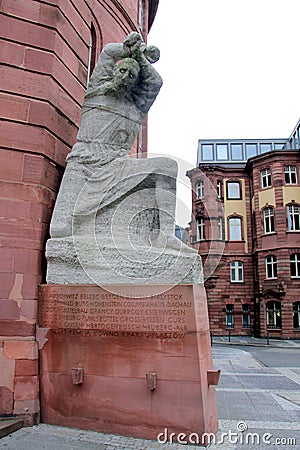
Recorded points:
9,425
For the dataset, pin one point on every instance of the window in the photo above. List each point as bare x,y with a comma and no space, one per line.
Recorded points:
265,148
92,53
290,174
220,228
293,217
200,229
271,266
222,151
246,316
229,316
200,189
273,314
251,150
295,265
235,229
219,189
140,142
207,152
233,190
237,152
294,141
296,315
278,146
141,14
266,178
269,226
236,272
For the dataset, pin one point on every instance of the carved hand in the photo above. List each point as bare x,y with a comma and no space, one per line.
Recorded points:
132,42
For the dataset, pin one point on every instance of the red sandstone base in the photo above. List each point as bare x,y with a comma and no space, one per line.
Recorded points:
132,366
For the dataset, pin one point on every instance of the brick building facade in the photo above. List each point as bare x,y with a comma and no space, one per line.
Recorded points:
246,226
48,50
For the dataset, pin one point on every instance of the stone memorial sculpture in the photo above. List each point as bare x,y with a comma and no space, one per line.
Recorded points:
113,220
123,322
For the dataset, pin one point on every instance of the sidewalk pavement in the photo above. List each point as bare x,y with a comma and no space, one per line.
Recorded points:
257,342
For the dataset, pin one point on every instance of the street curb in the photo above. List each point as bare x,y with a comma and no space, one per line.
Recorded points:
255,345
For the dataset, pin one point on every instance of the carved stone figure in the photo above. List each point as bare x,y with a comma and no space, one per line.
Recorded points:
113,220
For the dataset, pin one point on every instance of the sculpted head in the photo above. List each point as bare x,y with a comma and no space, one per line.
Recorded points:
126,74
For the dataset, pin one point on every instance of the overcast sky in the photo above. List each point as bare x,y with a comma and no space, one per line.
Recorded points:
231,69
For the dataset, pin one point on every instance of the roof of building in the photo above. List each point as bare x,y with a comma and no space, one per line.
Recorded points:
236,152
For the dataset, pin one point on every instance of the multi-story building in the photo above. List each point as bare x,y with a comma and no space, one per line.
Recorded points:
246,226
48,51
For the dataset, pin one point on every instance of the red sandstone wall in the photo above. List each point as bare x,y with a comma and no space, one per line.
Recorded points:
281,243
219,289
44,50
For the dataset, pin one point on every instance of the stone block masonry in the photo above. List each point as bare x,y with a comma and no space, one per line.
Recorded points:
44,51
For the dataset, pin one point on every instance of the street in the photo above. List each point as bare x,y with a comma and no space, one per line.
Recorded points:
259,393
276,357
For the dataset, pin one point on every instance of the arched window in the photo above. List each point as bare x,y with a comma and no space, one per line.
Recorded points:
236,272
235,228
269,223
92,53
295,265
293,217
271,266
296,315
273,309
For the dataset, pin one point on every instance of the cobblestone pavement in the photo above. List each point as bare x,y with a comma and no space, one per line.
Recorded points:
259,408
51,437
259,402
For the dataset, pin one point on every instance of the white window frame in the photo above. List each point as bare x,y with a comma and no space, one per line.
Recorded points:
220,228
269,220
199,187
219,189
200,229
295,260
293,212
234,190
290,174
235,227
271,266
266,178
236,272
